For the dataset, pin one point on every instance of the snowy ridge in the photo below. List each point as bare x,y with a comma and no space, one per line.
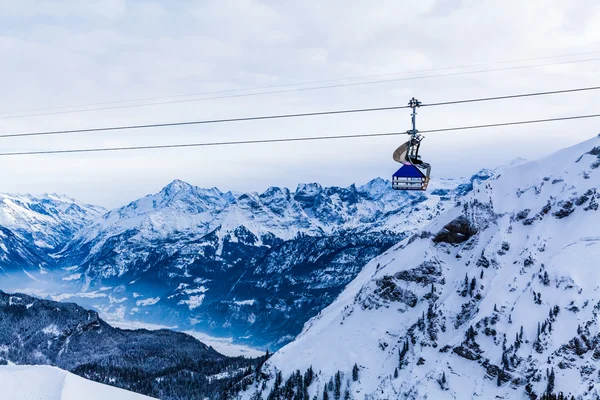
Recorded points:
182,213
495,298
50,383
311,209
46,220
177,207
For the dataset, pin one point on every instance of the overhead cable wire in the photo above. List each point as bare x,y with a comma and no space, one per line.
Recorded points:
202,122
511,96
294,139
302,89
283,116
304,83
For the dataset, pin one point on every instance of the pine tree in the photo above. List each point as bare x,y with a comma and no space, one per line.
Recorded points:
472,287
355,373
325,394
529,391
499,378
308,376
551,379
396,373
278,379
470,334
481,275
402,353
421,323
430,312
546,279
442,381
521,333
465,290
338,386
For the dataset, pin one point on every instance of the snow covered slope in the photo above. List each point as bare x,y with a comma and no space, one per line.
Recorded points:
497,297
51,383
31,228
48,220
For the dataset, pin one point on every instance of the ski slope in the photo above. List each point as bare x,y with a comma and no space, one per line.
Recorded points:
37,382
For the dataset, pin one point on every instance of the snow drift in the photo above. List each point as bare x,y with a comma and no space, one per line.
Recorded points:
50,383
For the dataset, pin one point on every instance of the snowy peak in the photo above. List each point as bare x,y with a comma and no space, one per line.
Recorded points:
180,191
497,297
175,187
45,221
178,207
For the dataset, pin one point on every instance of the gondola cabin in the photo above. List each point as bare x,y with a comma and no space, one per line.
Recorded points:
414,173
409,177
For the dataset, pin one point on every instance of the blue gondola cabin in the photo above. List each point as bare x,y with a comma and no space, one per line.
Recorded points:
409,177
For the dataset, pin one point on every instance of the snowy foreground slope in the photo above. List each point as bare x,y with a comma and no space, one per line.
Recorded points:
49,383
495,298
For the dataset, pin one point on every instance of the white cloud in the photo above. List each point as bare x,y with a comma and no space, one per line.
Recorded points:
68,52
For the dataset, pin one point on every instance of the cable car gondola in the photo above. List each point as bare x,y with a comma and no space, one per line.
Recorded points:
414,173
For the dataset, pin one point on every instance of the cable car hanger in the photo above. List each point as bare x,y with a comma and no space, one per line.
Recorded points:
414,173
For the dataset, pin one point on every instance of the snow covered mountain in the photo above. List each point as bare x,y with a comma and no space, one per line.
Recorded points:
497,297
31,228
250,266
48,220
184,212
50,383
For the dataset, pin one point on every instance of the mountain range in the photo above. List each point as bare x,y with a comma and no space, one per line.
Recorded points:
249,266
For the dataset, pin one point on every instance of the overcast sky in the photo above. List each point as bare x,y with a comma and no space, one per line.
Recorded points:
77,53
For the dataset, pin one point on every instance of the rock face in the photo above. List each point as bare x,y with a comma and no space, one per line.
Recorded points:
250,266
456,231
502,302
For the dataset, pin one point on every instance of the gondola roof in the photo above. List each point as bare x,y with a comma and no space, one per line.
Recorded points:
409,171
